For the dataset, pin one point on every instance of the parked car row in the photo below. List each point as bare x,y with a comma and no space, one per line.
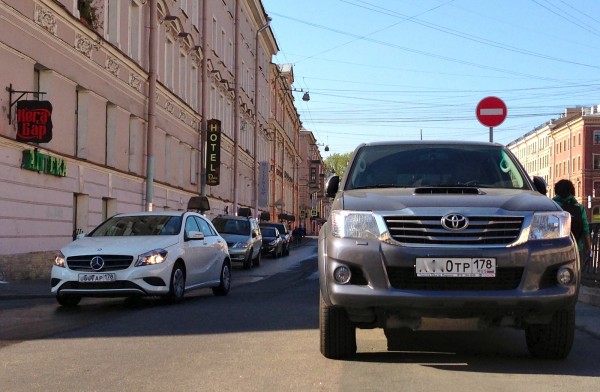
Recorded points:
164,254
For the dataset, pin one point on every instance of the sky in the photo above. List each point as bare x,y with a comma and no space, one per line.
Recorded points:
381,70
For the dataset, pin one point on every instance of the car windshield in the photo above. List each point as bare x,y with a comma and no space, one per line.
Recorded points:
138,225
435,165
268,231
232,226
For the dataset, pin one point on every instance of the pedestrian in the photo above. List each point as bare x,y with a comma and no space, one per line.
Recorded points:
564,192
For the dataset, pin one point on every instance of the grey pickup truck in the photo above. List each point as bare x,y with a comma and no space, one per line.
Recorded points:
426,233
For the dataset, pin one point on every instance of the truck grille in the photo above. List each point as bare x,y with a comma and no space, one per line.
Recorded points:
404,278
111,262
428,230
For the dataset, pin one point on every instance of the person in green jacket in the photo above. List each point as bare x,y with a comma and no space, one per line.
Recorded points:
564,191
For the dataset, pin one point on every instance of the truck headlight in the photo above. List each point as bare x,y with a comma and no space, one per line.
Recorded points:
356,224
548,225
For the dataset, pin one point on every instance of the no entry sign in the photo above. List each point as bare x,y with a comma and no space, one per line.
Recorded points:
491,111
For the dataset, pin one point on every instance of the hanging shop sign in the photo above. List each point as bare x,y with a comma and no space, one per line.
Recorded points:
34,121
213,152
43,163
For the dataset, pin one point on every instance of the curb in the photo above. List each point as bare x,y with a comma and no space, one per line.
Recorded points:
589,295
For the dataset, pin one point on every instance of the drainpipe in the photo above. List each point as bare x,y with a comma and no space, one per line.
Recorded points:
204,107
236,105
255,151
151,104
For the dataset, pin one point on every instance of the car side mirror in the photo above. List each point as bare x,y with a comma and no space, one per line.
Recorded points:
332,185
540,185
194,235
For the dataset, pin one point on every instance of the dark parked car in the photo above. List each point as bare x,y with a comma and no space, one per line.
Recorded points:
420,231
286,234
272,243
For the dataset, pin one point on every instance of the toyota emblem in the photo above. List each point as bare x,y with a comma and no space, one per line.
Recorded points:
455,222
97,263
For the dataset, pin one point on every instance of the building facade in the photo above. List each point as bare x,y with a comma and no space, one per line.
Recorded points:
132,86
567,148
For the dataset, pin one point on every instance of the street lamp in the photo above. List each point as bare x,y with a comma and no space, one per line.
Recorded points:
321,145
305,96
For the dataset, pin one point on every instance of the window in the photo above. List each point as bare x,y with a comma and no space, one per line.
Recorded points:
111,134
134,31
596,161
113,22
215,36
80,213
109,207
81,137
313,175
205,227
182,76
191,225
194,88
597,137
169,64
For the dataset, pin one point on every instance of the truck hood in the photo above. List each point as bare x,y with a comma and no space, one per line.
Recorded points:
395,199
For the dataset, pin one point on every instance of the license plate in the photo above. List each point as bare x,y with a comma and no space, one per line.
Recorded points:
456,267
97,277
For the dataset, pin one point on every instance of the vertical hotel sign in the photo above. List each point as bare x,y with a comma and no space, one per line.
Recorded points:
213,152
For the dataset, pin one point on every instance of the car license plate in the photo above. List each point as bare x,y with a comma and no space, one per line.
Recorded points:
97,277
456,267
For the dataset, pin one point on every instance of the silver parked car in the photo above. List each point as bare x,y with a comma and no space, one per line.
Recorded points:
161,254
243,236
421,231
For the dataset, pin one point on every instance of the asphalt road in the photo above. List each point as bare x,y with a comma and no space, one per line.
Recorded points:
264,336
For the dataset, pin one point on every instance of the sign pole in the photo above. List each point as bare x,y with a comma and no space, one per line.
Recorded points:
491,134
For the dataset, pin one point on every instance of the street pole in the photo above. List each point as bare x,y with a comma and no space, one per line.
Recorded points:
152,39
204,108
255,152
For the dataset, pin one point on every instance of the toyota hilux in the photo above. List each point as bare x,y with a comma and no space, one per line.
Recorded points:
423,232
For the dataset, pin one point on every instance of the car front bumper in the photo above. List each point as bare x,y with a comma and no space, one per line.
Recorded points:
385,285
143,281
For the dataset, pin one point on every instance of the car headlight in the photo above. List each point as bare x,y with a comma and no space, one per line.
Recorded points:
59,260
272,243
240,245
548,225
356,224
153,257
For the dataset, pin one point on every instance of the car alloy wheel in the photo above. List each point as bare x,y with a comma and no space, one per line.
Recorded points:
225,283
177,287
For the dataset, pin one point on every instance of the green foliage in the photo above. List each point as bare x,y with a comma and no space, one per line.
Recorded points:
338,162
87,12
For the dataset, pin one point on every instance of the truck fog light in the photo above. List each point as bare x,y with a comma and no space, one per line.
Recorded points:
342,274
564,276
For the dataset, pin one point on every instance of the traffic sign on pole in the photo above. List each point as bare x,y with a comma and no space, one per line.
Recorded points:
491,111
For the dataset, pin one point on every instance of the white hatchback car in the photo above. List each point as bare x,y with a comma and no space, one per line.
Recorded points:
143,254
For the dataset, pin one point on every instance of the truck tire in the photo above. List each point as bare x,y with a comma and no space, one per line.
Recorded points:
555,339
338,334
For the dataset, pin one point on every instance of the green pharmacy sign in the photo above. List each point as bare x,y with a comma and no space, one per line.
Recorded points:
42,163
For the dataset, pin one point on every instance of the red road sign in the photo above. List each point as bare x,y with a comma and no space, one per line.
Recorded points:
491,111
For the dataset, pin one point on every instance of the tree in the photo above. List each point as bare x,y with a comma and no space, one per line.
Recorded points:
337,163
88,12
